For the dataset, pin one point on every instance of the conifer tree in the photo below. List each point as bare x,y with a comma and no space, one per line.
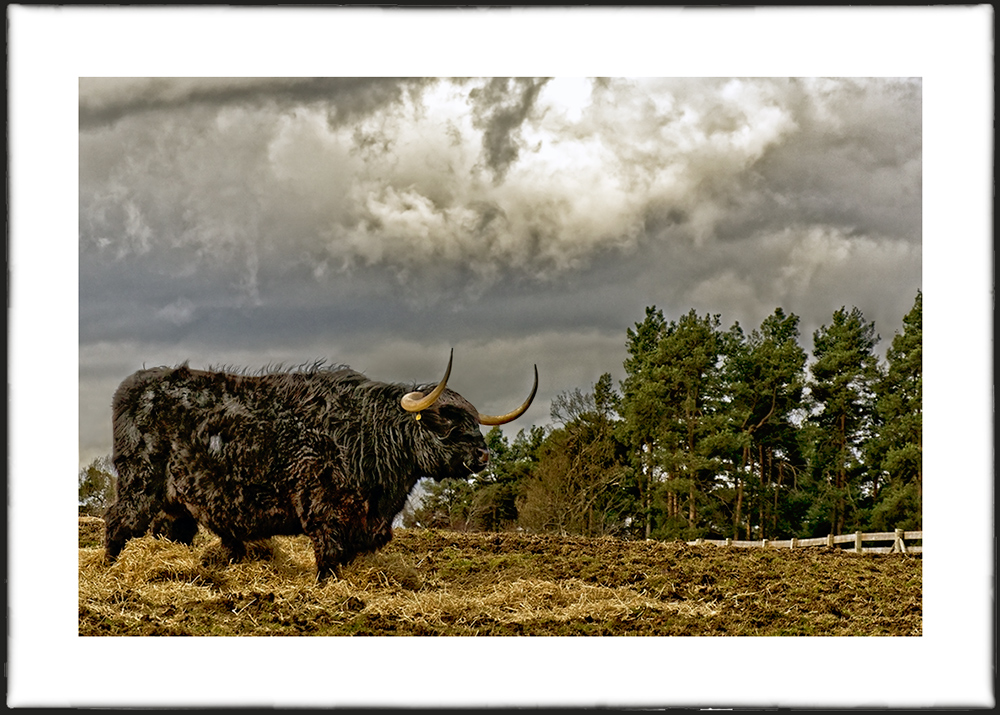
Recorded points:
495,488
843,381
642,402
498,487
766,380
687,369
897,451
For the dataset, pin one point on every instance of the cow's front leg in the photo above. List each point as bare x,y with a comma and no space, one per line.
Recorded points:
334,518
329,555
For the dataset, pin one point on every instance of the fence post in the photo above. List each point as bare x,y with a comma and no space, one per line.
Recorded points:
763,543
829,541
795,542
729,541
899,545
699,542
857,541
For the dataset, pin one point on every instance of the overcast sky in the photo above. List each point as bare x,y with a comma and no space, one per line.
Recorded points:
381,222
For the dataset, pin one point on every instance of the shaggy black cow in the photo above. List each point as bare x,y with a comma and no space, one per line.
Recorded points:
324,452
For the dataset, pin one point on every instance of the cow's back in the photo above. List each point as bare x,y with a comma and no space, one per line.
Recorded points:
152,406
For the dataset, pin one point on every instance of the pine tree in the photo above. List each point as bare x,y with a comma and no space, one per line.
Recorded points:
897,451
497,489
844,376
766,379
687,369
642,402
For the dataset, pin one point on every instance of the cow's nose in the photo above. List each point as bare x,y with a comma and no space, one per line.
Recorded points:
484,457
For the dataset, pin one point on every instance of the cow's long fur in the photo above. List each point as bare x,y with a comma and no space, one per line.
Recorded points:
324,452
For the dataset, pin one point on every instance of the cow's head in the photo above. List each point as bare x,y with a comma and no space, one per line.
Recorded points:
449,428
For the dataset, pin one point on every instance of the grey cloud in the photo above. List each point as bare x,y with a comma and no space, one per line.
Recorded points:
854,163
105,101
399,190
806,270
828,160
499,108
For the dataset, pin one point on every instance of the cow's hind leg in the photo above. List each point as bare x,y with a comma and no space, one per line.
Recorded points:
128,518
176,527
139,499
183,529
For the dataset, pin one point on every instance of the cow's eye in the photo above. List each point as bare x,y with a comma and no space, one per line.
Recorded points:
450,416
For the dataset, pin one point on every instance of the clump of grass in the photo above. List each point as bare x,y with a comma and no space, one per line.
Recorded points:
385,570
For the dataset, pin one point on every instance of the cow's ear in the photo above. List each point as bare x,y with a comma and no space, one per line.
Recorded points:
435,418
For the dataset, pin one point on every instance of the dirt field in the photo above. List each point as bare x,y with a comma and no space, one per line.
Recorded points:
464,584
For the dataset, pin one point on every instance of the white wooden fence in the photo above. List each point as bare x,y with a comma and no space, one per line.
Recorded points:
898,538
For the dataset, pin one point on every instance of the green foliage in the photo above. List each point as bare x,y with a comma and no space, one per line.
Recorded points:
445,505
843,383
642,402
578,485
896,452
96,487
766,377
897,508
494,503
687,366
715,433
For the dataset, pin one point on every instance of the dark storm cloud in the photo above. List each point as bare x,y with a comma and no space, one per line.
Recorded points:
854,162
104,102
499,108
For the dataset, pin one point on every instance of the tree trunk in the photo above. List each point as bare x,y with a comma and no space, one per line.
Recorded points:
777,488
739,495
763,491
648,505
841,481
920,473
739,505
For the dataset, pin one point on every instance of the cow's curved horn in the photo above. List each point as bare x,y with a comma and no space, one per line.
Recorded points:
417,401
490,420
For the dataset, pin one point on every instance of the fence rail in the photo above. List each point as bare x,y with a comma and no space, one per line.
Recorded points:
899,539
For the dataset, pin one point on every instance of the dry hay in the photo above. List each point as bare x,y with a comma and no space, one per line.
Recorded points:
445,583
91,531
525,601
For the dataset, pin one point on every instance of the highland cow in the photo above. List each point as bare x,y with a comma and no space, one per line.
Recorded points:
321,451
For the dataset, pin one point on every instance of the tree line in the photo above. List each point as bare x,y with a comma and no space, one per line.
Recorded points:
715,433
